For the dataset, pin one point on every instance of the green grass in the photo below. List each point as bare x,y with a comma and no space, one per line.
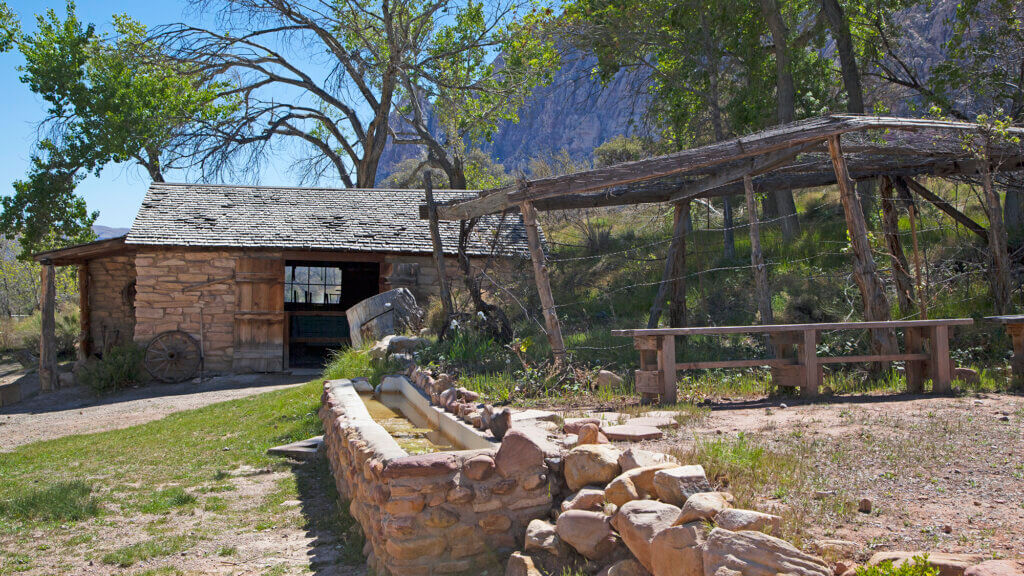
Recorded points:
163,501
148,549
62,501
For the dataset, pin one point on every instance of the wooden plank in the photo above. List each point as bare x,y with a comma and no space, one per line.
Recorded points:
914,370
809,363
946,207
667,362
84,313
939,360
715,364
435,239
540,273
259,323
872,358
83,252
764,303
648,382
771,328
48,336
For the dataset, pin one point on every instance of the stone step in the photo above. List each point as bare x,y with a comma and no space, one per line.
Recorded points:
301,450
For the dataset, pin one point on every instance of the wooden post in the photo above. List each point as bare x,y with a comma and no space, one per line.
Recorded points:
84,313
540,273
922,296
939,361
667,361
865,273
764,302
891,229
809,360
914,368
679,226
677,311
1000,275
48,337
435,236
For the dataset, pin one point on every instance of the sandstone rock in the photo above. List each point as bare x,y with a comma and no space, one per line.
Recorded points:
676,551
379,350
702,506
676,485
948,564
608,379
736,519
639,521
996,568
521,565
589,533
573,425
404,344
523,450
966,375
420,465
654,421
590,434
362,385
541,535
586,499
494,523
591,464
755,554
637,458
635,484
478,467
832,549
627,567
500,422
631,433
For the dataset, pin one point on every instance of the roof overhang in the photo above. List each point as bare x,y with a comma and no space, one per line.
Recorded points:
82,253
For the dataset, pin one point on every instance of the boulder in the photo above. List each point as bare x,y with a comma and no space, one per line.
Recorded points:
736,519
996,568
405,344
631,433
756,554
573,425
521,565
637,458
703,506
635,484
591,434
639,521
500,422
379,350
608,379
589,533
586,499
627,567
523,450
362,385
541,536
676,485
591,464
832,549
948,564
677,551
966,375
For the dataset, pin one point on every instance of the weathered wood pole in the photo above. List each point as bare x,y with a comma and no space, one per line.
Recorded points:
764,299
891,229
680,224
677,310
48,337
999,257
435,237
946,207
84,313
540,274
865,273
922,294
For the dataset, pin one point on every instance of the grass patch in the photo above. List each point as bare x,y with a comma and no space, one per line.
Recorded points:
147,549
67,501
227,551
14,563
163,501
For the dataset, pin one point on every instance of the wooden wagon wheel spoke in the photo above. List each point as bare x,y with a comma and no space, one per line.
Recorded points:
172,356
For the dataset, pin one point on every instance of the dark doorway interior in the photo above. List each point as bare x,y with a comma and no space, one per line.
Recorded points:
316,296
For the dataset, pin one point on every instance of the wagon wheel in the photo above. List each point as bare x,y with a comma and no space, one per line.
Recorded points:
172,356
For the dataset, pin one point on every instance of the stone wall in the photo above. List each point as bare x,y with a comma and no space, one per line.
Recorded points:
441,513
167,298
111,301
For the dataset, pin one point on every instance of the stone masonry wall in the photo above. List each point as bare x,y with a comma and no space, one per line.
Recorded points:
111,301
166,300
441,513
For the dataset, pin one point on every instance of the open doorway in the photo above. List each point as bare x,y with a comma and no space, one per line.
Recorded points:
316,296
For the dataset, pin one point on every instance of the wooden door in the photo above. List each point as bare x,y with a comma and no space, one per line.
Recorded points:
259,315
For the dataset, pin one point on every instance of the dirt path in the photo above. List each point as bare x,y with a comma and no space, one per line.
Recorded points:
78,411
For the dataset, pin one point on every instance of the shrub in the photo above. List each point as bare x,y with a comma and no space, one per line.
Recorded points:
120,367
919,567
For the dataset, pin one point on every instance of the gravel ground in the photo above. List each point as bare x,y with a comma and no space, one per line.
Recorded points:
78,411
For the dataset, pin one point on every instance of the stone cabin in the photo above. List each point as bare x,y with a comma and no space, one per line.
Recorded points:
261,276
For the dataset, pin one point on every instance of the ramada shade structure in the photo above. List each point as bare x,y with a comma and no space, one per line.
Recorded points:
835,149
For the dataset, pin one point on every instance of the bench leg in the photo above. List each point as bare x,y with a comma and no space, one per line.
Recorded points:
1016,332
809,360
667,364
941,377
915,369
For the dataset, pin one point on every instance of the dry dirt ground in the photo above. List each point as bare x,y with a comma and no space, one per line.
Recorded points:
942,473
78,411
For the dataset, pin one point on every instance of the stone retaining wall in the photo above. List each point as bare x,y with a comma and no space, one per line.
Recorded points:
441,513
111,301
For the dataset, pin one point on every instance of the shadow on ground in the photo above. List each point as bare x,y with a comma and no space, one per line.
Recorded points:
337,540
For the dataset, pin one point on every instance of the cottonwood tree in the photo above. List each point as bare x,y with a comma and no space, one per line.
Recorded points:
110,99
331,74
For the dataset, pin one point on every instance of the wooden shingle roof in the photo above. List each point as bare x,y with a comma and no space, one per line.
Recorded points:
355,220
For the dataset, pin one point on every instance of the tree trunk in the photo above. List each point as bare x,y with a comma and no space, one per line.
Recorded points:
786,101
679,229
1013,211
48,336
764,299
1000,260
900,268
729,243
677,310
435,236
540,273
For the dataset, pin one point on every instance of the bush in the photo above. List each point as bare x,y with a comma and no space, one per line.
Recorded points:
919,567
120,367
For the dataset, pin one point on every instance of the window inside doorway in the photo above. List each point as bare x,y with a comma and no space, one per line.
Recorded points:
317,284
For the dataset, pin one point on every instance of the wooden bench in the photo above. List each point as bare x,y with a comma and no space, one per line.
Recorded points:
1014,326
796,363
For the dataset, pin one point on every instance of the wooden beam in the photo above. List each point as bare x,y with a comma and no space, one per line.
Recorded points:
945,206
48,336
764,301
84,313
891,230
435,237
83,252
997,242
677,242
865,273
540,273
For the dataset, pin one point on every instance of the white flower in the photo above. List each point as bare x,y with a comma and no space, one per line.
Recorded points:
454,325
481,315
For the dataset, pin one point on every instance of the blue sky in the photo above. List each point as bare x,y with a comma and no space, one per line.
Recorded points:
118,191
